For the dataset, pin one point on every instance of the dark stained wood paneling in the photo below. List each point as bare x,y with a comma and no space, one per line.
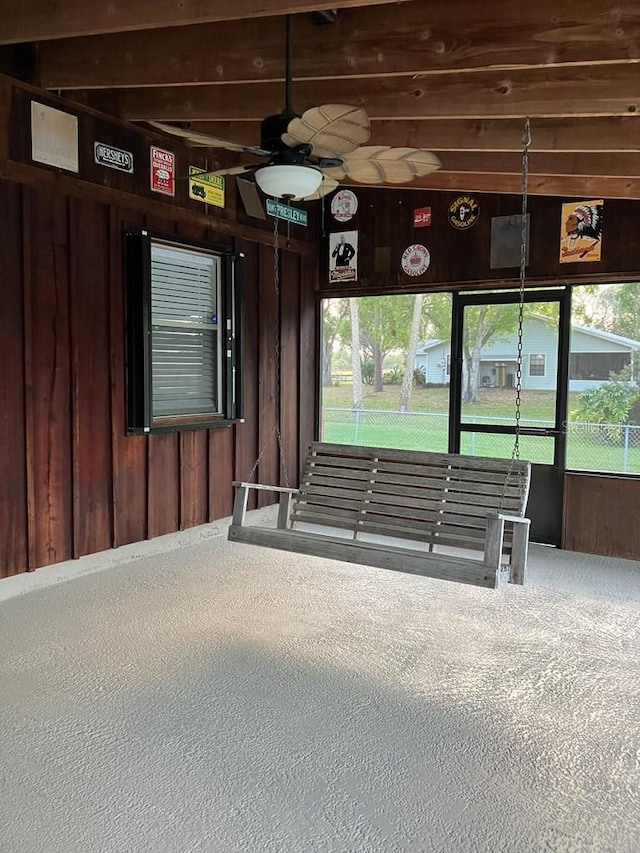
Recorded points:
163,512
221,472
247,432
384,221
194,478
289,369
268,376
309,358
129,452
601,515
49,394
91,398
13,478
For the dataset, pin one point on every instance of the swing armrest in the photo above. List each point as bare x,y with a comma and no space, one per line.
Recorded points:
266,488
242,494
494,540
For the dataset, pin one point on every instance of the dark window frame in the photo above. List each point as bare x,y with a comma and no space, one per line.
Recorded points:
140,419
540,362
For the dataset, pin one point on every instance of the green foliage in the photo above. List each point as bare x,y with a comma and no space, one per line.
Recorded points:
609,404
420,377
394,376
366,368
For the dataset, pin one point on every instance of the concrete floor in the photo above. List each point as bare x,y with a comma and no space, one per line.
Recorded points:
225,698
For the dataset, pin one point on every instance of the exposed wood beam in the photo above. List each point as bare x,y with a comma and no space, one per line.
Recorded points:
623,165
34,20
567,91
415,38
619,133
567,186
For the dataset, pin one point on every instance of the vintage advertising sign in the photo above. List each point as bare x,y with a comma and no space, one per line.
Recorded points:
343,256
208,189
285,211
416,259
581,231
463,212
422,217
54,137
113,158
344,205
163,171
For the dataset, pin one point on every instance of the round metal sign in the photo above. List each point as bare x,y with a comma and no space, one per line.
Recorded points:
416,259
344,205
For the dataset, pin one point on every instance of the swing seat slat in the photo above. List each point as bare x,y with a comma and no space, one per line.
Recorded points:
392,508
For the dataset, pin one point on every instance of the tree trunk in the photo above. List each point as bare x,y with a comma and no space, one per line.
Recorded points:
355,355
406,390
377,369
327,353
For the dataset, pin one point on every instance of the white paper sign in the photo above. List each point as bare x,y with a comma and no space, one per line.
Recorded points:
54,137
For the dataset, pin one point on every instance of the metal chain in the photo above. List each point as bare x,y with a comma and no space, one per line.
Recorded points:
515,453
526,142
276,430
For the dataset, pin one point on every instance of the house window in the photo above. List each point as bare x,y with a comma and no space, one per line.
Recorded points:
183,333
448,364
597,365
537,364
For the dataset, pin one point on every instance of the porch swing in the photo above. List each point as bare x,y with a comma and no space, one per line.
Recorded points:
391,509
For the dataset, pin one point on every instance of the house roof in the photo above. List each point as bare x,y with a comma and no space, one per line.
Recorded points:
587,330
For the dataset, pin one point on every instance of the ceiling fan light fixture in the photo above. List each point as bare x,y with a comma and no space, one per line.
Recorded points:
288,181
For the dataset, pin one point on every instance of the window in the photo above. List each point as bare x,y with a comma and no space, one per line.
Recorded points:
597,365
537,364
184,336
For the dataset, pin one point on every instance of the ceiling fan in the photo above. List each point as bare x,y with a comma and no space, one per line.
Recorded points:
307,155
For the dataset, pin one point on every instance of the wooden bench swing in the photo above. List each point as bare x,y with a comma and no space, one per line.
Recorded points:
393,508
364,504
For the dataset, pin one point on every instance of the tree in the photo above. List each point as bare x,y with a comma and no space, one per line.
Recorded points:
355,354
404,404
334,314
384,326
482,323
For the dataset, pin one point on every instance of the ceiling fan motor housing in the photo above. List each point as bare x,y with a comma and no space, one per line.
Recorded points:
272,128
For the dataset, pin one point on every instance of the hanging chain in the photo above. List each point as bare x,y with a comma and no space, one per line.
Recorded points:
526,142
276,430
515,453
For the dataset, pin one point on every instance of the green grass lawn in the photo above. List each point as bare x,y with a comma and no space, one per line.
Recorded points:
426,426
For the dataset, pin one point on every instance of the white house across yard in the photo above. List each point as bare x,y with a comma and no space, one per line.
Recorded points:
594,356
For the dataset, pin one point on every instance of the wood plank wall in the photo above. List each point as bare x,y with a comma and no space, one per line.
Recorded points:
72,482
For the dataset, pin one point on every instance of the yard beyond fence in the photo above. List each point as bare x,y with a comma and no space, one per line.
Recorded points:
590,447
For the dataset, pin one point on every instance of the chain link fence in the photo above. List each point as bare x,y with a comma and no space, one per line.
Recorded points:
590,447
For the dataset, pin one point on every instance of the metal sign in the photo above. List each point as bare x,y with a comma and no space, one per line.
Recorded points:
113,158
284,211
163,171
209,189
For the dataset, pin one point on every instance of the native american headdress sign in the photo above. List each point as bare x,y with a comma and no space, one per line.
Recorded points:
581,234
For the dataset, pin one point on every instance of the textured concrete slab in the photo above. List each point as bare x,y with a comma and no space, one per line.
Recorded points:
225,698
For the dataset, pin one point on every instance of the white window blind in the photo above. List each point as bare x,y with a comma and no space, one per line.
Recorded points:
185,346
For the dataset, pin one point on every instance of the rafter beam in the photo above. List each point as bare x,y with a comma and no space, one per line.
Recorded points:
557,185
619,133
415,38
33,20
582,164
599,90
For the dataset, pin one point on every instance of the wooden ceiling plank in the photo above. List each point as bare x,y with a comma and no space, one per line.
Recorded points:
599,90
415,38
34,20
566,186
611,133
619,164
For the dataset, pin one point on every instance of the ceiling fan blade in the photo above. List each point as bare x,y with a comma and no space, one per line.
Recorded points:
203,139
327,186
380,164
234,170
332,129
